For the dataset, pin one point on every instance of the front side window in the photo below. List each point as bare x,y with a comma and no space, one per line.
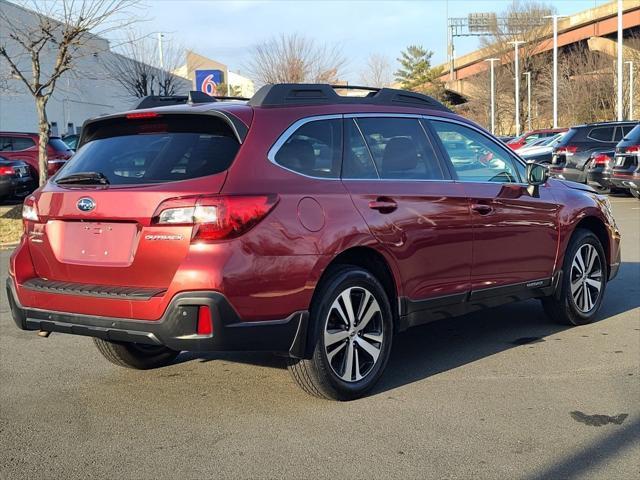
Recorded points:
314,149
400,149
475,158
22,143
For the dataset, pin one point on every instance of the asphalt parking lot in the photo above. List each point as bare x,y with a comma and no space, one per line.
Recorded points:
499,394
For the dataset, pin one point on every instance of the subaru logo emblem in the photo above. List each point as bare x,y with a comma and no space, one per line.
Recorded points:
86,204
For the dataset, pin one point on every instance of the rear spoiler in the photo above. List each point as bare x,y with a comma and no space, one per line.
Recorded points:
194,98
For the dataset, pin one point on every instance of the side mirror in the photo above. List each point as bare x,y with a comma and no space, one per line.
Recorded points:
536,175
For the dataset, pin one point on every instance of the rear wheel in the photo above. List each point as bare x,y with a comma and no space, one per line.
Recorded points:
354,328
135,355
584,277
635,193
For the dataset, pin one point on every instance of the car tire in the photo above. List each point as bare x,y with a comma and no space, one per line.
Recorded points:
352,311
635,193
134,355
583,281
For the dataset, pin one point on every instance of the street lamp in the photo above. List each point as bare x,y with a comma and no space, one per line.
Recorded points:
160,36
493,96
620,112
516,46
528,75
555,67
630,89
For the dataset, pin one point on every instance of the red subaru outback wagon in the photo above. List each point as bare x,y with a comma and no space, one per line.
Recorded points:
302,222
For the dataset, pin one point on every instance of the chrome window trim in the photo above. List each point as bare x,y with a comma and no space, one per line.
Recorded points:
504,148
284,136
366,144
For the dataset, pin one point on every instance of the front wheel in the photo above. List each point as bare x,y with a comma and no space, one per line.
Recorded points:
635,193
584,277
135,355
353,326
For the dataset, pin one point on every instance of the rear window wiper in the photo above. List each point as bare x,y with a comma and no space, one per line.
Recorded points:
84,178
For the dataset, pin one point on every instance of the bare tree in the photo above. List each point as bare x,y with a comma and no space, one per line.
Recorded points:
295,59
53,29
377,71
138,68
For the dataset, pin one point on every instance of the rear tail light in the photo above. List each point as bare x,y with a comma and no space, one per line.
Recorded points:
205,322
6,170
29,212
601,159
220,217
633,149
568,150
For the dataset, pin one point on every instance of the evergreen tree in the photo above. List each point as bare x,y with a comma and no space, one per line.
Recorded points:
416,74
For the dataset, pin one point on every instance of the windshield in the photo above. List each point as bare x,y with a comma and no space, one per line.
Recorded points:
168,149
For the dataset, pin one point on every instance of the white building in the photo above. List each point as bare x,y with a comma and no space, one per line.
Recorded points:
86,92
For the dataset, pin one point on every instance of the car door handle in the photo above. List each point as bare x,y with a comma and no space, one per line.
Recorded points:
383,205
482,209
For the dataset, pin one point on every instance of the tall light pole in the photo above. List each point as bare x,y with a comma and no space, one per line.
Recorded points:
630,89
160,35
516,47
493,95
528,75
620,110
555,67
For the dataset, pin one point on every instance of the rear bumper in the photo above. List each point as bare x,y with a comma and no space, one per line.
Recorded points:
626,181
177,327
599,178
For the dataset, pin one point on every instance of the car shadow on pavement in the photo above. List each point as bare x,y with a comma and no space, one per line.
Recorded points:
446,344
586,460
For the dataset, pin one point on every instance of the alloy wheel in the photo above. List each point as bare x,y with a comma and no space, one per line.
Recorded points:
586,278
353,334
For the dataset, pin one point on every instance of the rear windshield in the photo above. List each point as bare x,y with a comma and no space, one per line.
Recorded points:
157,150
566,138
58,145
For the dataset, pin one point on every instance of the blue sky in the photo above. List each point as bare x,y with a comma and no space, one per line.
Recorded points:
225,31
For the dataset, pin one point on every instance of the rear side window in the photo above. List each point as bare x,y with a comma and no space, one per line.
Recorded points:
314,149
163,149
601,134
400,149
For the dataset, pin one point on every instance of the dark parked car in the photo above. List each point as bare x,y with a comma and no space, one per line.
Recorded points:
300,222
15,179
626,169
24,146
572,155
599,168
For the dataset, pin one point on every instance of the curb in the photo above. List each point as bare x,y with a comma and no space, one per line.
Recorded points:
8,246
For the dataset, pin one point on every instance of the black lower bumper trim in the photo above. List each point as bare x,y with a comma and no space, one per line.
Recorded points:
177,327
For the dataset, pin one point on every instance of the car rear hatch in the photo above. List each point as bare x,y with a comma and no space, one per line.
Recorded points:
100,221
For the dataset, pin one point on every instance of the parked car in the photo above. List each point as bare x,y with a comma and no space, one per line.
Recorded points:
15,179
24,146
626,169
571,156
541,151
71,141
532,136
300,222
599,169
